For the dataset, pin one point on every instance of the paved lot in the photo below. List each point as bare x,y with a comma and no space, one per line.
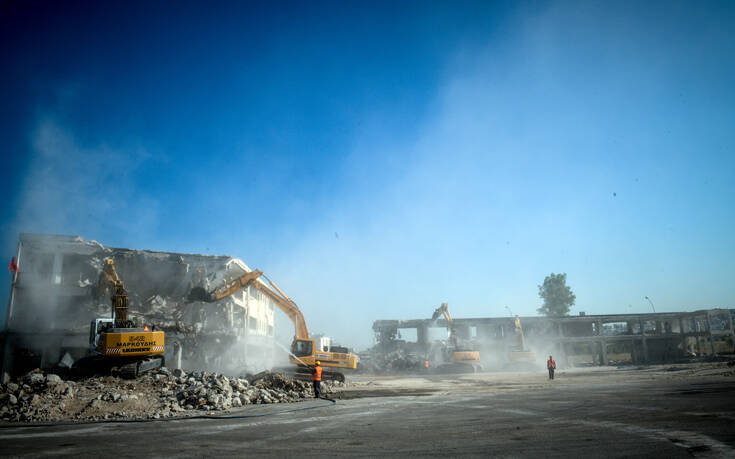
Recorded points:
680,411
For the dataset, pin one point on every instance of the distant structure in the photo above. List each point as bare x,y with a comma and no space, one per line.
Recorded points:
578,340
52,302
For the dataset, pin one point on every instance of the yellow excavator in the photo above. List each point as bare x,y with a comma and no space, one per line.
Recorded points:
117,342
461,359
520,353
304,352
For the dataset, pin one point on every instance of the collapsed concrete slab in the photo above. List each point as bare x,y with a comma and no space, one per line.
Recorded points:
54,298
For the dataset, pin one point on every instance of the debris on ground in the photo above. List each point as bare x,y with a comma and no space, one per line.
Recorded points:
397,361
39,397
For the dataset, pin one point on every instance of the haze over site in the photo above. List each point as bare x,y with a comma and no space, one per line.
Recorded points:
378,159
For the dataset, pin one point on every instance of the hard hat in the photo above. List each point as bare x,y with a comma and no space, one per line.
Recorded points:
318,362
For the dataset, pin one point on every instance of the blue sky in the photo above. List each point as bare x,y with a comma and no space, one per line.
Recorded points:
377,159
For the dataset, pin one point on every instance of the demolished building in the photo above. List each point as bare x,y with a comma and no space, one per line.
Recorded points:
573,340
53,300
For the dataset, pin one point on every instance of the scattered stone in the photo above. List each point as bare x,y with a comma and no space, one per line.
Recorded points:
34,379
67,361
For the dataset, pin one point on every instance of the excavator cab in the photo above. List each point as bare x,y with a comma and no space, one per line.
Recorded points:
96,328
302,347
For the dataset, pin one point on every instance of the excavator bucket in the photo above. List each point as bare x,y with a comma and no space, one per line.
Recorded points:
198,294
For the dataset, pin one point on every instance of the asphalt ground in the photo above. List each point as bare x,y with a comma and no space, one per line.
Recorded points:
675,411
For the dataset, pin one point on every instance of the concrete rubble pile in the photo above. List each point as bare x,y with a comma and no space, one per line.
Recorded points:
39,397
396,361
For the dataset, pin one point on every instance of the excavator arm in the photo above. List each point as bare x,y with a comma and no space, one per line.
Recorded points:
283,302
443,310
110,281
287,306
520,353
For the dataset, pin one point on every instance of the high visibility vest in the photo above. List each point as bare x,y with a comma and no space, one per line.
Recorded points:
426,363
550,364
317,376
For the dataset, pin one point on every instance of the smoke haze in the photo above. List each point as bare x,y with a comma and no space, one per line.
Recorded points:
440,164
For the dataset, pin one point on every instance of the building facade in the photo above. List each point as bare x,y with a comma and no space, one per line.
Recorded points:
53,299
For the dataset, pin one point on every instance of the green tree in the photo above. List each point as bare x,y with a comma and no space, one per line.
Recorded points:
557,295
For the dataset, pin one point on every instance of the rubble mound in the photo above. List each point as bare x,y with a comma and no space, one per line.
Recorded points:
397,361
39,397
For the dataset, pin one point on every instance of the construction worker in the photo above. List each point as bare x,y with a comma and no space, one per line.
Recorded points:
551,366
316,377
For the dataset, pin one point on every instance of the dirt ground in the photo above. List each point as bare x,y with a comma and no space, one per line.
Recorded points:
655,411
420,384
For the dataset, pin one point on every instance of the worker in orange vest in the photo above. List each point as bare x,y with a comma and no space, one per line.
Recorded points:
316,377
426,364
551,366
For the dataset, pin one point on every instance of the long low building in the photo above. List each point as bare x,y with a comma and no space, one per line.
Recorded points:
637,338
53,300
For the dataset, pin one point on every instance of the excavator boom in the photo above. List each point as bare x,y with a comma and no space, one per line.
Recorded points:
521,353
443,310
283,302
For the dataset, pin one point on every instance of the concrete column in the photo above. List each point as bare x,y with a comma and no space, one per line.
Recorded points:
178,350
709,334
633,352
559,352
7,360
422,334
730,327
603,353
645,350
598,327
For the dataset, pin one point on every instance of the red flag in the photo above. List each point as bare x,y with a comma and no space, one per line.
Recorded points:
13,266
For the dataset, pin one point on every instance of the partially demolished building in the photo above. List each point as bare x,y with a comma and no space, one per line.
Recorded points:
53,301
582,340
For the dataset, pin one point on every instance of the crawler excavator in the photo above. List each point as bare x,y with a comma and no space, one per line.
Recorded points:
461,359
304,352
520,353
117,342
